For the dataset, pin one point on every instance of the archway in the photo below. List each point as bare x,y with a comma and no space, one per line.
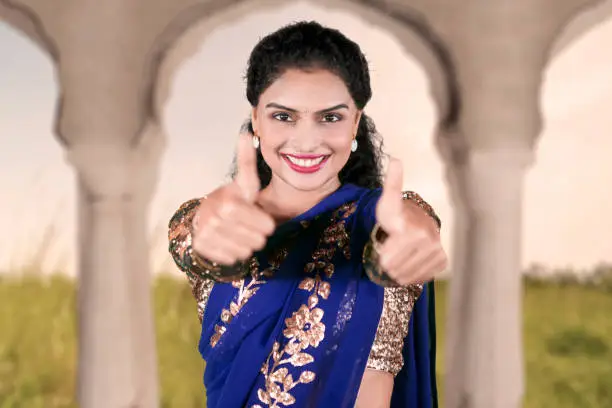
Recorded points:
567,217
206,103
581,23
567,222
37,185
37,213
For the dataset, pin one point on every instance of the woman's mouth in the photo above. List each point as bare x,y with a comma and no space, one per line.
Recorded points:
305,163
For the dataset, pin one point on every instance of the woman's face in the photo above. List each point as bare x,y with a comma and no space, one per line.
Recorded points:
306,122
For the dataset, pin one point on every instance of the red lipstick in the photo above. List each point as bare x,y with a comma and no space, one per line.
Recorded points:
302,167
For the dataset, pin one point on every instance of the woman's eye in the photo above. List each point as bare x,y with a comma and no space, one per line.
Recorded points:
282,116
331,117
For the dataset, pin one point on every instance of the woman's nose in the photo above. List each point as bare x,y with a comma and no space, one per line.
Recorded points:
306,136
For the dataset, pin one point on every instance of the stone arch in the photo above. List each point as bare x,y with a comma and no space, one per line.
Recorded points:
564,189
31,161
408,25
438,78
25,20
579,23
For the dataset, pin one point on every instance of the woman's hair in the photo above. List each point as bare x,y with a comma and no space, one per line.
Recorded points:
308,45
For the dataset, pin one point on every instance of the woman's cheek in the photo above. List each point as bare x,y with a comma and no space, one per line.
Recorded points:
340,138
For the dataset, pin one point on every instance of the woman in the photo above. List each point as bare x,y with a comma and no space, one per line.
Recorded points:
307,271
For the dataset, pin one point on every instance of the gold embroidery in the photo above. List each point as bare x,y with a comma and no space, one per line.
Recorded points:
246,291
179,236
201,288
424,205
386,352
305,329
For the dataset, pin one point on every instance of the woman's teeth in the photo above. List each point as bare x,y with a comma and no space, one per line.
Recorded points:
305,162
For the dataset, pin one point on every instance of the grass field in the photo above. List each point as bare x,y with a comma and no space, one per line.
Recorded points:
568,340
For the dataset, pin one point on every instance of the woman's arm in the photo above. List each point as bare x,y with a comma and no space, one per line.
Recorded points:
179,237
375,390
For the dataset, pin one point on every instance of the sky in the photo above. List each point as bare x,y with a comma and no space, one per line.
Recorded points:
567,218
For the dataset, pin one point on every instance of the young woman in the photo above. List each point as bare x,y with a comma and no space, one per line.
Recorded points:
310,275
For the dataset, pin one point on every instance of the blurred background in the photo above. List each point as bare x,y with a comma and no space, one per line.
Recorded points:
566,236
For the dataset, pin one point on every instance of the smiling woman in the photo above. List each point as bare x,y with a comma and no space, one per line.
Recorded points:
314,110
310,130
296,133
311,276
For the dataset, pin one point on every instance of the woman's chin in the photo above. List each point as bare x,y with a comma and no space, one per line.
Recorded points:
314,183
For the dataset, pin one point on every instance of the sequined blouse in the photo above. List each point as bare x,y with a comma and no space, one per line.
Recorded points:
386,352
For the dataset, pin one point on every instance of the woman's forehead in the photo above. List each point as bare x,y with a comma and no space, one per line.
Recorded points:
307,91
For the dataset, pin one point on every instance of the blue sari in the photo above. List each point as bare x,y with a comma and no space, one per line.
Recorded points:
299,330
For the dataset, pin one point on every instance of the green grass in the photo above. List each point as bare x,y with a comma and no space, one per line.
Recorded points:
568,341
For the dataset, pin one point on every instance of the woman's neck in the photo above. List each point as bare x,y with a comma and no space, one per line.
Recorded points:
284,202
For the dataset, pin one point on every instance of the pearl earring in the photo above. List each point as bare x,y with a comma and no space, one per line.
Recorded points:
255,140
354,145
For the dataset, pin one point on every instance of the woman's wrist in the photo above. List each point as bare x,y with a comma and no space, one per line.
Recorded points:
371,258
207,269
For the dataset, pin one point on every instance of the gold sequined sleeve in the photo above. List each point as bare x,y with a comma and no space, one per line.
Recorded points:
370,255
424,205
386,353
179,237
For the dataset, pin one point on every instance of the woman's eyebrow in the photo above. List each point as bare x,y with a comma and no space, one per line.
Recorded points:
279,106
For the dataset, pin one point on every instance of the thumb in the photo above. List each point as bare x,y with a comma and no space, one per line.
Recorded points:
247,178
389,211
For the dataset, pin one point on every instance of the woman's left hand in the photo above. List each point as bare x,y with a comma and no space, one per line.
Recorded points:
412,251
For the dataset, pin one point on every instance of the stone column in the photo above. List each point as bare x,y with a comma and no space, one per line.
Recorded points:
494,368
117,356
500,73
144,177
451,146
106,365
484,366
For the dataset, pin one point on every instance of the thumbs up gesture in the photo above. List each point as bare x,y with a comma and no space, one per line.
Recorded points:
412,251
228,226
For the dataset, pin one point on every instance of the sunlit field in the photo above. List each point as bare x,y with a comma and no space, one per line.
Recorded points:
568,341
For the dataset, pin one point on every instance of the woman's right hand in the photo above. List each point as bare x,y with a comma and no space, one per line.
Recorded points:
228,226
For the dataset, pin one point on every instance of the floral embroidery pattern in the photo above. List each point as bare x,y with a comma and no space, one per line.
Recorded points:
305,329
247,291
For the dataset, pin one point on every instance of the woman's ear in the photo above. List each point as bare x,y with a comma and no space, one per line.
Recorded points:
254,120
357,120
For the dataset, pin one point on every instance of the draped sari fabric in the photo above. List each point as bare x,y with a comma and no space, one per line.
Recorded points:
298,332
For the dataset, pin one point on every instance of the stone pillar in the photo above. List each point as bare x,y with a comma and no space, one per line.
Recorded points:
451,148
500,74
484,364
106,365
144,177
493,360
117,356
106,118
484,337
